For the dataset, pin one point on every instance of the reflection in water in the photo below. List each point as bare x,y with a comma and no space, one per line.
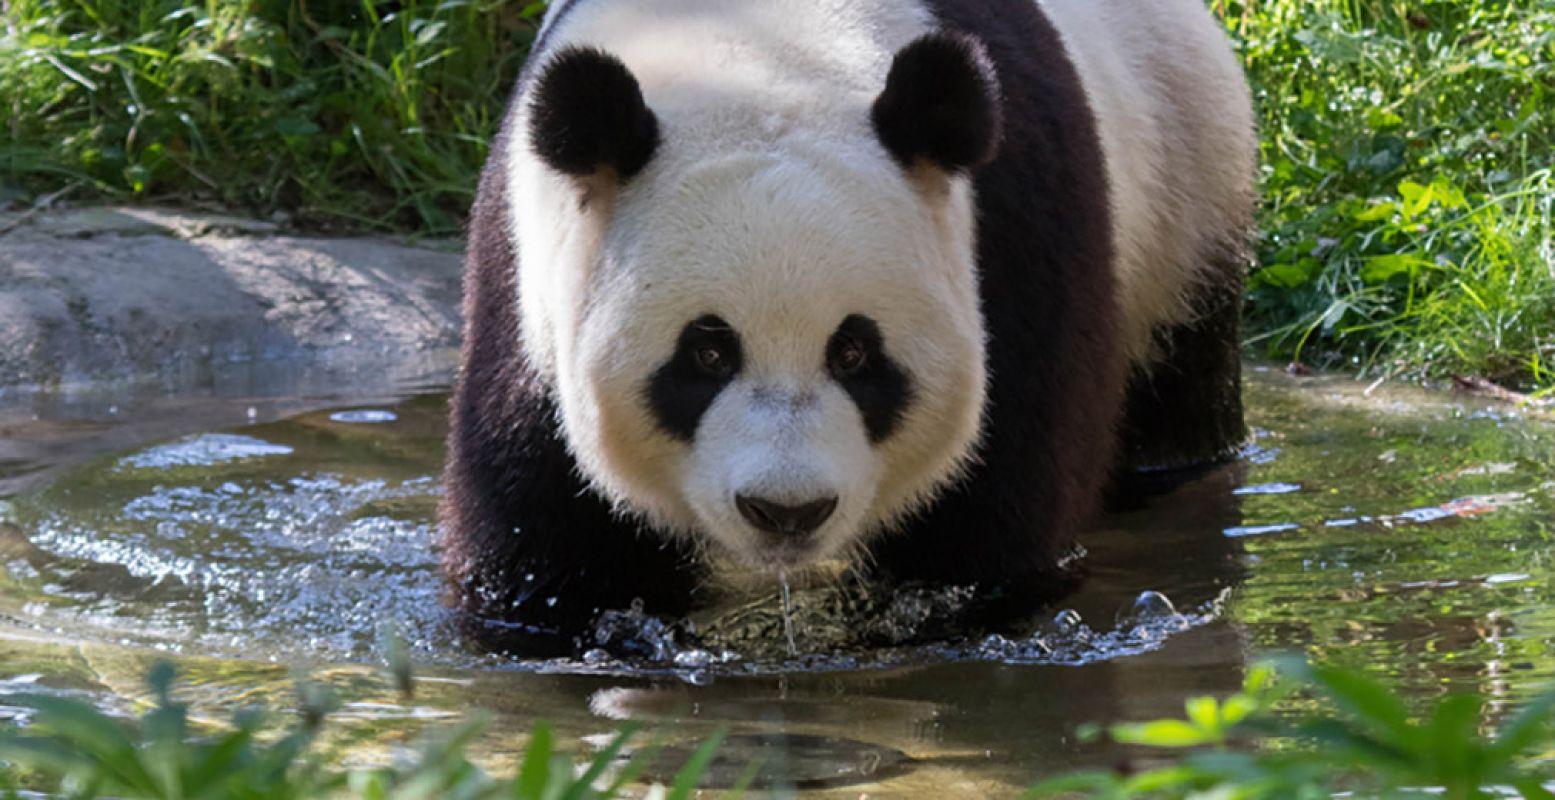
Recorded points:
1407,535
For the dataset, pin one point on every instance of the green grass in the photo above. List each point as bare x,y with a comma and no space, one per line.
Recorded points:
1407,145
338,113
1407,150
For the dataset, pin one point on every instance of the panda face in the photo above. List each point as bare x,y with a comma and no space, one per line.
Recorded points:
779,352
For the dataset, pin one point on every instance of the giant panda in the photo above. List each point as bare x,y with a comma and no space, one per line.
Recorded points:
901,285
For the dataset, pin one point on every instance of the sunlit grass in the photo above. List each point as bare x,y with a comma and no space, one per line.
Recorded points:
352,113
1407,151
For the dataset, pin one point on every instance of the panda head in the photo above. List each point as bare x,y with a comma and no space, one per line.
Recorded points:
763,334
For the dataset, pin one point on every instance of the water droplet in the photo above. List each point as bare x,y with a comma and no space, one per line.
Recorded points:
788,618
1068,621
693,659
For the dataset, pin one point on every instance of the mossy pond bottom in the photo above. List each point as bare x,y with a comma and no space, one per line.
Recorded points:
248,542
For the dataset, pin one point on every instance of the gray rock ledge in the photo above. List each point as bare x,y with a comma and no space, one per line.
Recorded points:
110,298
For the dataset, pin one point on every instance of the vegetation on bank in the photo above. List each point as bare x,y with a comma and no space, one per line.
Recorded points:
364,114
1294,731
1407,146
1407,150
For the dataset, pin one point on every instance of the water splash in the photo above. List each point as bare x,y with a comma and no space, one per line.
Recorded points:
788,618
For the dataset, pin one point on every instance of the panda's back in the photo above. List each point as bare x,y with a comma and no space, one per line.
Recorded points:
1174,117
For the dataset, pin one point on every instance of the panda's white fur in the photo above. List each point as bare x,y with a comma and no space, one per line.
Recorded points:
1175,120
771,203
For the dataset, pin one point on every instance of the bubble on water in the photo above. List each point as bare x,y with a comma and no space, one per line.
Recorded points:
1152,615
1147,607
364,416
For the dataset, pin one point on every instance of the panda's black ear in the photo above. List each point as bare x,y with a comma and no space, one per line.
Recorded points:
941,104
588,114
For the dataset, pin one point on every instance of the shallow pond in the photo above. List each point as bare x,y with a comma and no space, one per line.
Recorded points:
1401,531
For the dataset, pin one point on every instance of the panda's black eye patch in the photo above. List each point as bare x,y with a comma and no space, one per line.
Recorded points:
707,357
857,360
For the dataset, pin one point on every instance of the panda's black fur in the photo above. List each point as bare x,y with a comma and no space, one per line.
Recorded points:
531,550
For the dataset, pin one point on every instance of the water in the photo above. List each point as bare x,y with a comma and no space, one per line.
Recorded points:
1405,533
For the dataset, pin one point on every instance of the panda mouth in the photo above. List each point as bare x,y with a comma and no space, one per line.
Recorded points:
780,554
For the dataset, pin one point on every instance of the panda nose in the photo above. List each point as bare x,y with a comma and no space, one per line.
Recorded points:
781,518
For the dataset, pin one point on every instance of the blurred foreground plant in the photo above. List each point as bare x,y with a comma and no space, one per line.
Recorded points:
87,754
1364,743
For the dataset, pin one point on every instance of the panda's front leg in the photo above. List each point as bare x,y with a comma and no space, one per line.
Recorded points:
533,556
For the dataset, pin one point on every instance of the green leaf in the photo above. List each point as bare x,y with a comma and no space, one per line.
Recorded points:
1523,729
1382,119
1381,269
1236,709
1204,713
534,774
1532,789
1161,733
295,127
429,32
1377,211
1416,198
601,761
685,784
1368,700
1157,780
1285,276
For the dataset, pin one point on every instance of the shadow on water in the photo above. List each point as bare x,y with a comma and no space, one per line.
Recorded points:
1406,533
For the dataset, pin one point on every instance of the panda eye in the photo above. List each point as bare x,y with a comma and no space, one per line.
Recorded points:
713,347
711,360
848,357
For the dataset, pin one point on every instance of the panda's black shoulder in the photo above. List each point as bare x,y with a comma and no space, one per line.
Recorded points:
1047,282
